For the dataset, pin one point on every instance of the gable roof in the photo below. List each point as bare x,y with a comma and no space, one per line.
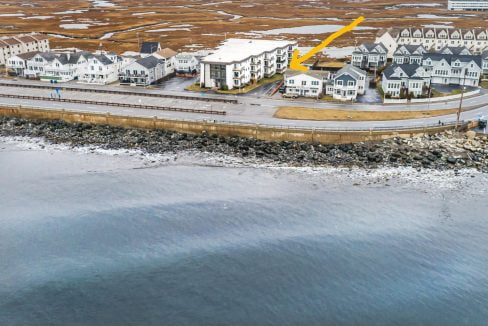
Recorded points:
11,41
150,47
26,39
40,37
410,49
371,48
149,62
166,53
28,55
452,57
351,70
312,73
103,59
457,50
48,56
408,69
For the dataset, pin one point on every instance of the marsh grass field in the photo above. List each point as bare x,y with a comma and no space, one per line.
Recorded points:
119,25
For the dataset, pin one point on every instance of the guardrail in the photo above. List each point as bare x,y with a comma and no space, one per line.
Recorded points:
452,124
432,99
125,105
109,91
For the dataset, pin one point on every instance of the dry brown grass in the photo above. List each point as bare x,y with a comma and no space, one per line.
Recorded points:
209,26
302,113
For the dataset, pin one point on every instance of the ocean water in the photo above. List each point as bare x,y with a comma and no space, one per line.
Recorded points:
95,238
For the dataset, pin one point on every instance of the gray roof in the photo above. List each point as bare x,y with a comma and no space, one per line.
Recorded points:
313,73
355,72
410,49
48,56
345,77
103,59
149,62
452,57
484,55
408,69
150,47
371,48
454,50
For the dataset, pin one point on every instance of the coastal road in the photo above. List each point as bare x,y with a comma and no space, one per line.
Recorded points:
248,110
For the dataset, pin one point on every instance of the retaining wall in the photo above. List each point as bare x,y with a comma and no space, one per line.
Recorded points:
269,133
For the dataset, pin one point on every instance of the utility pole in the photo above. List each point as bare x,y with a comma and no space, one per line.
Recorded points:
461,100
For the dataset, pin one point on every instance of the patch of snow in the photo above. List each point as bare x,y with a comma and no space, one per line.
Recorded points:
74,26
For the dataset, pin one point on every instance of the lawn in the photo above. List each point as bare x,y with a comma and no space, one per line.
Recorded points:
484,84
302,113
436,93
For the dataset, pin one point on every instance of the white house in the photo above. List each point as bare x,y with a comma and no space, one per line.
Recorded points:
186,63
99,69
409,54
58,67
14,45
168,57
453,69
369,56
434,39
143,72
347,84
17,64
404,79
238,62
308,84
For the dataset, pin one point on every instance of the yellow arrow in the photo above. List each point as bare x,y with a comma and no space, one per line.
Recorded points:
296,61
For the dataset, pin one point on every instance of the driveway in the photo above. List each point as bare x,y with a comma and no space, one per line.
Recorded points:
262,91
176,84
371,95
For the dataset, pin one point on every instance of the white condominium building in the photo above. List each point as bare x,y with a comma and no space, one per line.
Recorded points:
238,62
19,44
467,5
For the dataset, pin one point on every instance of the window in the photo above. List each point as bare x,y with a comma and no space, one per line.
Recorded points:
304,82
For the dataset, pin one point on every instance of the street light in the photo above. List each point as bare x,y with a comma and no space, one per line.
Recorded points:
461,100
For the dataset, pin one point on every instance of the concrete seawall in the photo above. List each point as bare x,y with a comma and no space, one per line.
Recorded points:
268,133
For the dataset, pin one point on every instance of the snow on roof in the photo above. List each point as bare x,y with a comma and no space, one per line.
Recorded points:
236,50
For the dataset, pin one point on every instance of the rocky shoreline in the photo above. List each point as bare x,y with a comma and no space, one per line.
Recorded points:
441,151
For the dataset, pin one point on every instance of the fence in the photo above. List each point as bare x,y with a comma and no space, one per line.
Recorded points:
108,91
125,105
432,99
275,133
423,127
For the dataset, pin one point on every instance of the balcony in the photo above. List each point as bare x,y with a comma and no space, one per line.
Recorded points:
125,75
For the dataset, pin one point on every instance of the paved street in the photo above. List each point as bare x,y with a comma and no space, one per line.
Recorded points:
249,109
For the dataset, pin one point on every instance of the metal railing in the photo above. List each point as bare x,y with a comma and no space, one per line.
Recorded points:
125,105
451,124
108,91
